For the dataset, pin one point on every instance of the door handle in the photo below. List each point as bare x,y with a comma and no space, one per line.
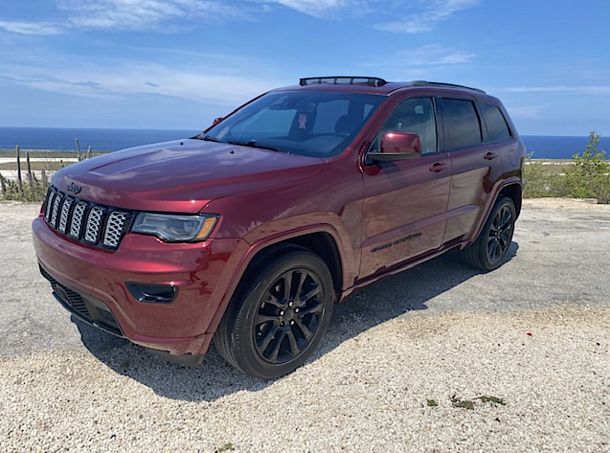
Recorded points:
490,156
439,166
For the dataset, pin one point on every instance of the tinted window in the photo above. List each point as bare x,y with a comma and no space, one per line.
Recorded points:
415,115
267,122
312,123
496,124
460,123
328,114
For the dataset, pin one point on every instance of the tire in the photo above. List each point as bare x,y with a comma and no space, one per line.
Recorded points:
489,250
278,316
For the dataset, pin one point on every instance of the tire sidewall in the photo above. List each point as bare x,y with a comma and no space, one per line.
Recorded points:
245,351
485,233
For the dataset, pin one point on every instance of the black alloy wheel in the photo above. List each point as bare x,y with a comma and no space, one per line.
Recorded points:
500,234
288,316
491,247
278,315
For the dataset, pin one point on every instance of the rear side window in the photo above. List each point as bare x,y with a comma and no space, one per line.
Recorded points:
497,129
461,124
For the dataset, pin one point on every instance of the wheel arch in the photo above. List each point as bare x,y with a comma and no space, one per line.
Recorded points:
514,192
322,240
511,188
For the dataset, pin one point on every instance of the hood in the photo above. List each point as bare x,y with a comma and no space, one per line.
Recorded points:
182,176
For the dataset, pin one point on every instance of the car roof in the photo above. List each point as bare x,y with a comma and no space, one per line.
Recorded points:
373,85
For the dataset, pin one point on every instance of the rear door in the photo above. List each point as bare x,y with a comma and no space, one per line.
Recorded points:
405,201
476,164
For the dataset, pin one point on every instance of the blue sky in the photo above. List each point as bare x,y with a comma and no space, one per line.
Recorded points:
176,64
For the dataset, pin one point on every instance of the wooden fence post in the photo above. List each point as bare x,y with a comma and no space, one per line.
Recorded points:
77,143
27,158
19,182
45,180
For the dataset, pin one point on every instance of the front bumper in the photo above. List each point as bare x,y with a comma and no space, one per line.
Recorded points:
201,272
89,310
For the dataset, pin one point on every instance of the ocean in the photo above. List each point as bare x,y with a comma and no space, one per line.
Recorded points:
541,146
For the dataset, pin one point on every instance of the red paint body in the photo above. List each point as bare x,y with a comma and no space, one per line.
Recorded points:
437,201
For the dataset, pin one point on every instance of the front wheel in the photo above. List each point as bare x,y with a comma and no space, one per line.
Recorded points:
276,321
490,249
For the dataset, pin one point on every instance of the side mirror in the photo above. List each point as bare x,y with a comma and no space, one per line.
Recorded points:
397,145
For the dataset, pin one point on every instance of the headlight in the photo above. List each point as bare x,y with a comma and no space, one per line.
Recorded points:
175,228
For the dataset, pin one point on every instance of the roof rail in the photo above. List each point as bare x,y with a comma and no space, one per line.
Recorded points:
418,83
340,80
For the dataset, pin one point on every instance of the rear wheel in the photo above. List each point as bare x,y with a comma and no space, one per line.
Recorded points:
489,250
276,321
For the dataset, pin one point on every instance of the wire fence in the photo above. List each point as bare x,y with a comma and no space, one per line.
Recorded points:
29,180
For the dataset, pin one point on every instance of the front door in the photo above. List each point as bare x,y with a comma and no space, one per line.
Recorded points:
405,201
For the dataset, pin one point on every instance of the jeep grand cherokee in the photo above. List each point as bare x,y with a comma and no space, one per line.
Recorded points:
248,233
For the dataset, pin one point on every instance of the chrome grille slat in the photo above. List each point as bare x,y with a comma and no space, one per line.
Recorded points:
50,197
65,210
55,210
93,224
77,219
114,228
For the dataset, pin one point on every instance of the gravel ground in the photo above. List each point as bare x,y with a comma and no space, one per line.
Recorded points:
410,363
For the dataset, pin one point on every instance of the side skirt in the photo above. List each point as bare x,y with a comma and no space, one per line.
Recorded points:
396,269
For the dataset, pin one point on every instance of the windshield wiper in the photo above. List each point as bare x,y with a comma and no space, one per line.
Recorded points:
208,138
253,144
249,143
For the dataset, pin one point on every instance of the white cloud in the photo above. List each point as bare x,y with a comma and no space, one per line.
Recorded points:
140,14
435,55
30,28
126,15
577,89
419,61
312,7
122,80
163,14
435,12
526,111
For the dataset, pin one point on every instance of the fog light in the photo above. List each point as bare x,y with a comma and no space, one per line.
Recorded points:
152,294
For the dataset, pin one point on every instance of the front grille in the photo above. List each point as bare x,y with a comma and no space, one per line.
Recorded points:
85,307
90,223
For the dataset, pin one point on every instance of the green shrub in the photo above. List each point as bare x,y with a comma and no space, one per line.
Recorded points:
540,182
589,176
35,190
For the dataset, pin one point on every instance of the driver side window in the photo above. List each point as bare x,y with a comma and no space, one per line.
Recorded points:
414,115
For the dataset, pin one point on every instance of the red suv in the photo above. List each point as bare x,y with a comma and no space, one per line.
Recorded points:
248,233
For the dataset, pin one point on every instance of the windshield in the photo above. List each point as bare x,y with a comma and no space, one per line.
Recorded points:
308,123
